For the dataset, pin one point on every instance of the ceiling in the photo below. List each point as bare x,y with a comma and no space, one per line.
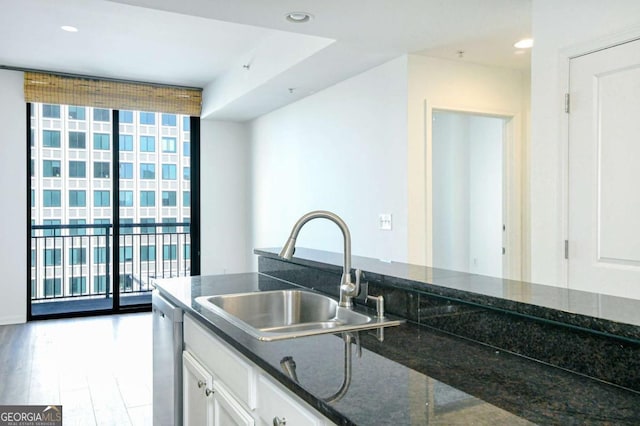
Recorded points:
246,55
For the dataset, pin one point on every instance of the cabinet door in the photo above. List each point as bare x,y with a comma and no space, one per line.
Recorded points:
277,407
227,411
198,406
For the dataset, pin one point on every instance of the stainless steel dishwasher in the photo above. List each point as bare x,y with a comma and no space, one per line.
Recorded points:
167,362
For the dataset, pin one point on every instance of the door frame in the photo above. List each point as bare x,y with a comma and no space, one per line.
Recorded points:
565,56
512,183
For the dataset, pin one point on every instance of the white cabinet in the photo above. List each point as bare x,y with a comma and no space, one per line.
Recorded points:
227,411
197,386
206,401
242,394
277,407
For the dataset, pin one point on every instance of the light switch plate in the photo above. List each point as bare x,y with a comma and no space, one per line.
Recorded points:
384,221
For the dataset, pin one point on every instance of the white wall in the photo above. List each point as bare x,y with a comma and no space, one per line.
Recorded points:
557,26
225,198
452,85
451,191
467,192
13,190
485,195
342,149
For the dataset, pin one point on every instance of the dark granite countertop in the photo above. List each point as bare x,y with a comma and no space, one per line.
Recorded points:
614,315
416,375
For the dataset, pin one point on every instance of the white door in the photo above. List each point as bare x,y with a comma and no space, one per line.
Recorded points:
604,171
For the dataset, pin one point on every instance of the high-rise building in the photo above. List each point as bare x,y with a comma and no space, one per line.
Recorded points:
72,174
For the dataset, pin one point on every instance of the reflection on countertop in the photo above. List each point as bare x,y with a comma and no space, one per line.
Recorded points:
416,376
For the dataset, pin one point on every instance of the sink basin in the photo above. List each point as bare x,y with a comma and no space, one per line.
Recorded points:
285,314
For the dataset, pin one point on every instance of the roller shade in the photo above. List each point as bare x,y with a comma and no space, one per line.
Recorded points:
85,91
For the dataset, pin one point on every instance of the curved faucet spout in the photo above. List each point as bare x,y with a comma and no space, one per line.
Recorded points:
348,289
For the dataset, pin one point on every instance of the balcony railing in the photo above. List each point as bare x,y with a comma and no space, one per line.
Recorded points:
71,262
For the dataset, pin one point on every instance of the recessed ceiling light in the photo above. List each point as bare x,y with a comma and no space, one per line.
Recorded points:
525,43
69,28
298,17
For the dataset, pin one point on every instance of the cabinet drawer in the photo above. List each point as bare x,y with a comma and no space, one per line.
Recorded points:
237,375
274,402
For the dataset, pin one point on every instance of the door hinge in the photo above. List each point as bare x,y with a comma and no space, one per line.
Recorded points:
566,249
504,251
567,103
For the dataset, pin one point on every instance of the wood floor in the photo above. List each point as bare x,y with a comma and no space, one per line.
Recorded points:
98,368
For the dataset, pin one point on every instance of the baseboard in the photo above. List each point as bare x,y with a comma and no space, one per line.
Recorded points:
13,319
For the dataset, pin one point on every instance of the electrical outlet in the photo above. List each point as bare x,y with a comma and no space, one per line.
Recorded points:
384,221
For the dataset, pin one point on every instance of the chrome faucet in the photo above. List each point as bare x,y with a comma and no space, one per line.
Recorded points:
348,289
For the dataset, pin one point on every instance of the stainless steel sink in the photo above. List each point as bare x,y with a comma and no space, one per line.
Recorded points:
285,314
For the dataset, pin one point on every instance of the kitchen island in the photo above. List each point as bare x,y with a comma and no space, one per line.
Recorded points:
416,375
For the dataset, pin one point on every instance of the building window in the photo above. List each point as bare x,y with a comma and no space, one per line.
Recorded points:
146,226
76,113
147,171
99,255
101,230
101,170
186,173
186,251
52,257
126,170
51,232
126,230
147,118
126,198
101,114
169,252
126,116
147,143
77,198
51,138
101,199
51,168
77,231
126,282
77,169
33,198
101,141
169,171
33,258
168,144
168,198
51,111
186,149
147,198
32,167
126,254
169,229
52,287
77,256
126,143
168,120
78,285
51,198
77,140
186,199
147,253
100,284
186,123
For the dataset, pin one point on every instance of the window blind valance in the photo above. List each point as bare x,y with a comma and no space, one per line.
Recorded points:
85,91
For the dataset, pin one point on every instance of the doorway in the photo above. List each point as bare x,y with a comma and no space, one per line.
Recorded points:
469,194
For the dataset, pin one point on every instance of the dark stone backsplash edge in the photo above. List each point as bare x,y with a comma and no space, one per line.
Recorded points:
626,332
533,333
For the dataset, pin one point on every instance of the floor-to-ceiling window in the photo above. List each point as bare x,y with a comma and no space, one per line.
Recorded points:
110,206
